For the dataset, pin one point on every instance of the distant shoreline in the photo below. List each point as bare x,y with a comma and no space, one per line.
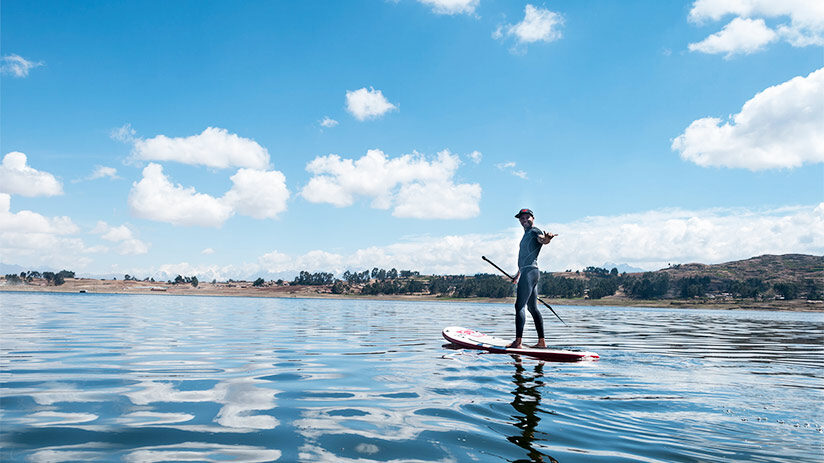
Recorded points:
243,289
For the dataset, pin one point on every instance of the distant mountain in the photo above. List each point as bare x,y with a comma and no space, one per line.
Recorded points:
622,268
6,269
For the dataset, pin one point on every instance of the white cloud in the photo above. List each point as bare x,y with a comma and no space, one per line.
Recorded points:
439,200
538,25
258,194
510,167
328,122
17,66
100,172
780,127
214,147
452,7
407,183
125,134
649,240
103,171
32,222
476,156
30,238
652,239
739,36
128,244
806,26
255,193
367,104
16,177
442,255
154,197
207,251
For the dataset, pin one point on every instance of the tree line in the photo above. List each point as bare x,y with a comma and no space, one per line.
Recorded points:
52,278
592,283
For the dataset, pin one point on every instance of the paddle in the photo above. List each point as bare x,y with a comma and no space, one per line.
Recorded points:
513,279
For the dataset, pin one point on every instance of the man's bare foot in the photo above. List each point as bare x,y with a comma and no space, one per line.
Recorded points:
516,344
541,344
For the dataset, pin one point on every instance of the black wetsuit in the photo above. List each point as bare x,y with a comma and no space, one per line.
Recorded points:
527,292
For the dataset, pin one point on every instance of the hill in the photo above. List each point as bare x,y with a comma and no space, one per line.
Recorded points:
769,268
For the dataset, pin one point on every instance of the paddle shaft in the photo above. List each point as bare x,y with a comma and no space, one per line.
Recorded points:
513,279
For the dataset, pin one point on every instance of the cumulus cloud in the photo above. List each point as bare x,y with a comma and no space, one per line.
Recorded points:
538,25
739,36
17,66
16,177
438,200
154,197
649,240
255,193
214,147
366,104
409,184
442,255
476,156
452,7
32,222
123,236
32,238
748,31
652,239
780,127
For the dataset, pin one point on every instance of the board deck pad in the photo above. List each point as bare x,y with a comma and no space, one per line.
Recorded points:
472,339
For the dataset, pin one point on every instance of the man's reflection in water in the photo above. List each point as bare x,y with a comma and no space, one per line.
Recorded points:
526,402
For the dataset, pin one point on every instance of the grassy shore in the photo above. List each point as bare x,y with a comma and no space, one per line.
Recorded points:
86,285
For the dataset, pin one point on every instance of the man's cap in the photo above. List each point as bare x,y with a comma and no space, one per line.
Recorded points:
522,212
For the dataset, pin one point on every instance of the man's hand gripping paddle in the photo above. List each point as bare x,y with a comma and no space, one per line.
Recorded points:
513,279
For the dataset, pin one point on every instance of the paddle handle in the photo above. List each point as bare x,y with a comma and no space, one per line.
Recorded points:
499,268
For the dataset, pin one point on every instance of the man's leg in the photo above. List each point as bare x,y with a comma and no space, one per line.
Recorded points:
521,299
532,305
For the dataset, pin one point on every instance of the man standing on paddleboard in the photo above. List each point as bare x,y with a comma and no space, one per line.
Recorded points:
527,277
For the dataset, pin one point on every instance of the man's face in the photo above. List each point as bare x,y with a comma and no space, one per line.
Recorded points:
526,220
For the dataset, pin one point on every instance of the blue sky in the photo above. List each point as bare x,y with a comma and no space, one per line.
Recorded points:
243,139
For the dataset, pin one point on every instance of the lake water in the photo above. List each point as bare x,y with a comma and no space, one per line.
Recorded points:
87,377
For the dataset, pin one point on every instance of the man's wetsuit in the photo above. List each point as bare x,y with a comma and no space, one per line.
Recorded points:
527,292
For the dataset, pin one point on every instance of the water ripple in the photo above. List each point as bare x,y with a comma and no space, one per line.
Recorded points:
165,378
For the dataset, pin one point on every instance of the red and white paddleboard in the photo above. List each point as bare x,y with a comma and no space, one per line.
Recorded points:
472,339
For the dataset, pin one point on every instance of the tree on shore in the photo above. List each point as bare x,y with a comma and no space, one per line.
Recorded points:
650,285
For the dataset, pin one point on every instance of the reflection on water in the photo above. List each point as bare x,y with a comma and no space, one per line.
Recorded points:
164,378
528,386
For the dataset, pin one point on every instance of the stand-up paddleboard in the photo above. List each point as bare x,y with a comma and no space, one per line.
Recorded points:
472,339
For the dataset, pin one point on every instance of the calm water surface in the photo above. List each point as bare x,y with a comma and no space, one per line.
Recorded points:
88,377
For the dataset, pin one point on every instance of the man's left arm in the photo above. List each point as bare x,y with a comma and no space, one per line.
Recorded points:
546,237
